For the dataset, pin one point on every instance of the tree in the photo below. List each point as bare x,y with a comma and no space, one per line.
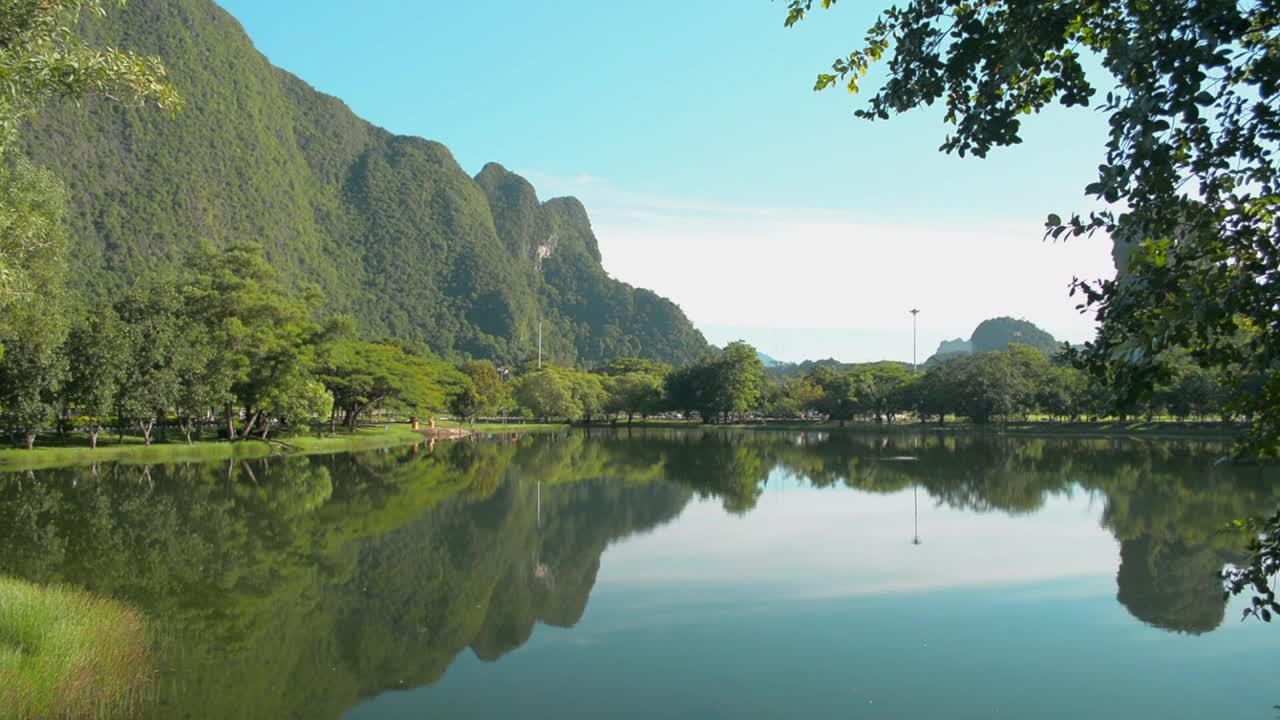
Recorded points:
792,397
483,394
1062,393
547,395
587,391
632,394
988,385
936,391
204,383
362,375
633,386
97,352
31,371
878,389
32,238
839,399
686,390
1189,175
719,386
739,377
42,58
306,400
152,317
262,330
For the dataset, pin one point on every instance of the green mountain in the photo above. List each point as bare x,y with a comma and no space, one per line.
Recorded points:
391,228
998,334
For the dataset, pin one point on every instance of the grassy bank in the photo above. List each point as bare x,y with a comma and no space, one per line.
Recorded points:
69,654
52,452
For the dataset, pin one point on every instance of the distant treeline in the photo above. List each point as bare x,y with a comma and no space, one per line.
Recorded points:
984,387
225,344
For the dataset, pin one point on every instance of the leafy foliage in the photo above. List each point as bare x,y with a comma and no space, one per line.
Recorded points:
43,57
1257,573
1189,176
720,387
483,395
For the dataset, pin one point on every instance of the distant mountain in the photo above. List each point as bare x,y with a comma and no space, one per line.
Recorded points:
998,334
767,361
790,369
390,227
948,347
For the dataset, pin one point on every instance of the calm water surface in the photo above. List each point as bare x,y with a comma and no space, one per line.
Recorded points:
685,574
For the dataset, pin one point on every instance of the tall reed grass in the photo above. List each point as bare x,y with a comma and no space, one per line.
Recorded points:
68,654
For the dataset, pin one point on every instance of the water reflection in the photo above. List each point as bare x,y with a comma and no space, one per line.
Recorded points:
297,586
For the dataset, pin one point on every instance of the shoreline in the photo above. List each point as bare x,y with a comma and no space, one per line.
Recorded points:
1155,430
389,435
370,437
132,453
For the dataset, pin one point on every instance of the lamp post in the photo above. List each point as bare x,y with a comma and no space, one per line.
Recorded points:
914,313
915,513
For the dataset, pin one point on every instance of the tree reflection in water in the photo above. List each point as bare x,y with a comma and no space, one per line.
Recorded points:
299,585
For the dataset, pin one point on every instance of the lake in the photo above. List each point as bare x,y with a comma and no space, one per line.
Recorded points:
674,573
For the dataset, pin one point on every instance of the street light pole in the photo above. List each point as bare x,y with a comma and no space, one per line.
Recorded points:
914,313
915,514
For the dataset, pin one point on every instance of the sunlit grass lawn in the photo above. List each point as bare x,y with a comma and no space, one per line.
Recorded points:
52,451
69,654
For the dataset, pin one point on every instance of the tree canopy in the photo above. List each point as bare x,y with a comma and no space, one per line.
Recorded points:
1189,185
43,57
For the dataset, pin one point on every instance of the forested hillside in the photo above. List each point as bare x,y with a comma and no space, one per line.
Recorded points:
390,228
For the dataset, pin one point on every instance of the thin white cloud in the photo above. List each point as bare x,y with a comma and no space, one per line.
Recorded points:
853,271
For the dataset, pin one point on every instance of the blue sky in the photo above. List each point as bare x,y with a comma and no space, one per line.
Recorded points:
712,172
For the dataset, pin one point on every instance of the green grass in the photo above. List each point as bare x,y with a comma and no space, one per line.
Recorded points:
69,654
52,452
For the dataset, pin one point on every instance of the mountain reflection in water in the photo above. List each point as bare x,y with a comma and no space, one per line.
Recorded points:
297,586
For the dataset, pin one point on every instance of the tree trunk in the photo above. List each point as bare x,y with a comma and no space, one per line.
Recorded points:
93,436
231,426
186,429
333,420
31,439
266,428
146,430
249,425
